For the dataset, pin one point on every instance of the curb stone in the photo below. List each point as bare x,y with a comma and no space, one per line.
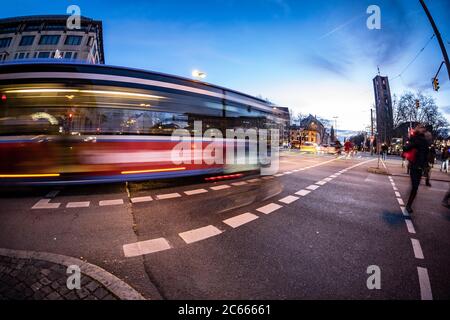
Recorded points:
118,287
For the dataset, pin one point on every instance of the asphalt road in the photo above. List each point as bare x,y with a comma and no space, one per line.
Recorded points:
309,232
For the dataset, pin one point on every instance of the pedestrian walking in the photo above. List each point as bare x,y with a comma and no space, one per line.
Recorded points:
430,161
384,150
444,159
416,152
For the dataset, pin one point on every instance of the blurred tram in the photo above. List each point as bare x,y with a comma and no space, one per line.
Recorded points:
69,123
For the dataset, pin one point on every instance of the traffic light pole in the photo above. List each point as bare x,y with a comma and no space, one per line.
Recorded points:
438,36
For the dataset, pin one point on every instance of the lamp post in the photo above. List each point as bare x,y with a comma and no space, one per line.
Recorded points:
335,127
198,74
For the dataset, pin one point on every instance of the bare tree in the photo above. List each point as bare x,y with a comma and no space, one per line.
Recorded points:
405,110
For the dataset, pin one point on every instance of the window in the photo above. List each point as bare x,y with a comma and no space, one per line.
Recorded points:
32,27
49,39
5,42
26,41
68,55
43,55
21,55
55,27
73,40
74,55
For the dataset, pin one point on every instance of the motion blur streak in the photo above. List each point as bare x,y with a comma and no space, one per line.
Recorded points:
153,170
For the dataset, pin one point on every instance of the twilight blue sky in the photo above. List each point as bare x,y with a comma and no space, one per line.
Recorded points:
312,56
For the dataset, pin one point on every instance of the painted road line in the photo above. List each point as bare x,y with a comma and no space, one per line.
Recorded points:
289,199
114,202
302,192
417,249
52,194
145,247
195,191
405,213
221,187
199,234
400,201
269,208
254,180
410,226
328,179
395,188
333,176
424,282
288,172
168,196
79,204
241,219
279,174
141,199
45,204
239,183
295,170
312,187
321,183
397,194
268,177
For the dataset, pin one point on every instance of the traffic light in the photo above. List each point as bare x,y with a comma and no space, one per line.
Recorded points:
417,103
436,84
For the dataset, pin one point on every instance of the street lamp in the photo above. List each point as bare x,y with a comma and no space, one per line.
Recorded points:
198,74
335,128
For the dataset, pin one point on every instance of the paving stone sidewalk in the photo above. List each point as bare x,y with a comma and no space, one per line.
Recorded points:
32,279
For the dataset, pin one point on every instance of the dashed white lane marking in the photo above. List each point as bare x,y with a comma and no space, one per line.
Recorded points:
289,199
395,188
312,187
321,183
239,183
424,282
268,177
254,180
288,172
145,247
400,201
221,187
410,226
45,204
328,179
302,192
141,199
417,249
333,176
195,191
241,219
397,194
199,234
52,194
269,208
113,202
295,170
168,196
79,204
279,174
405,213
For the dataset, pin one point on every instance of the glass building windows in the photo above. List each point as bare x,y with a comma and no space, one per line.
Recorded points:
26,41
49,39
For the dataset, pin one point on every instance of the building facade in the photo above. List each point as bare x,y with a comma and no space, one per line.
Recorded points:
47,36
383,106
310,129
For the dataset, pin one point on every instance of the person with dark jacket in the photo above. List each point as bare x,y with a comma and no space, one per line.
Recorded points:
419,147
